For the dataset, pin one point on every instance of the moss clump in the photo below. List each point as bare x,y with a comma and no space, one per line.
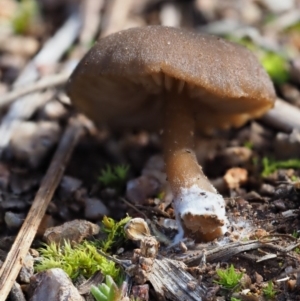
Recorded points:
115,232
114,177
276,66
81,259
25,16
269,291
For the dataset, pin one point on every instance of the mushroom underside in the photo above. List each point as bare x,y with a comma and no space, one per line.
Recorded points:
137,101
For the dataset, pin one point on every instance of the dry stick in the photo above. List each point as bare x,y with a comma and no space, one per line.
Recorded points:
285,20
116,15
11,267
46,82
91,16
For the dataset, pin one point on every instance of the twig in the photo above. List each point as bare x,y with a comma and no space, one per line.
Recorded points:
117,12
133,207
51,52
284,116
91,20
284,21
46,82
11,267
220,253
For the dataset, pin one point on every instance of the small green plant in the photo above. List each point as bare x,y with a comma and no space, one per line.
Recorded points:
114,177
276,66
294,178
229,278
295,234
109,291
297,250
115,232
234,299
161,195
270,166
293,28
25,15
248,144
269,291
81,259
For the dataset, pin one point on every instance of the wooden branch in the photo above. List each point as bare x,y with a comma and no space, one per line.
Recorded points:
170,280
13,263
45,82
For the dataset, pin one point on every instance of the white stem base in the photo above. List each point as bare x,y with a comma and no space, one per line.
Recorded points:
200,211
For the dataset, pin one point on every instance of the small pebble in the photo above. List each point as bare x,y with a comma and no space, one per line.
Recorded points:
53,284
27,269
73,231
280,205
267,189
140,189
14,220
95,209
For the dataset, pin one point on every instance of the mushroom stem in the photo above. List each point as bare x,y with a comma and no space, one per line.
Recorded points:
182,167
198,207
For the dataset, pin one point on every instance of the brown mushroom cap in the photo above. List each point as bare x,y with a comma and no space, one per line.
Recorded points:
122,79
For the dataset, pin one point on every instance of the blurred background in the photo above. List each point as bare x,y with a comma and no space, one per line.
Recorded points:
270,28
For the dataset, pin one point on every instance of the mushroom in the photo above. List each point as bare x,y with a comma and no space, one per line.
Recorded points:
159,77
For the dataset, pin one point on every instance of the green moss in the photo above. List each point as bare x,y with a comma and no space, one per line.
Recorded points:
114,177
269,291
276,66
82,259
293,28
248,144
115,232
270,165
24,17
